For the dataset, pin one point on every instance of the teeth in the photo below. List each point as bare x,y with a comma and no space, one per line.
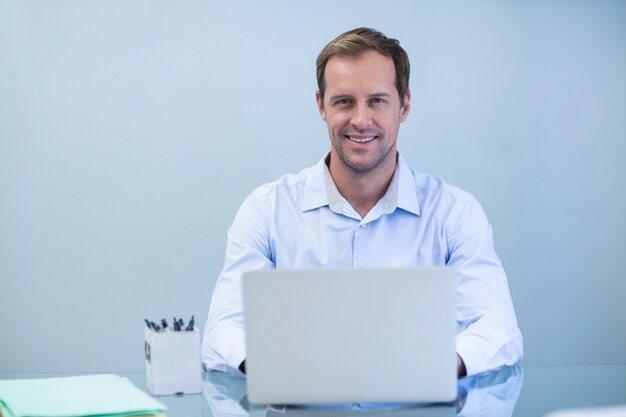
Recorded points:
360,140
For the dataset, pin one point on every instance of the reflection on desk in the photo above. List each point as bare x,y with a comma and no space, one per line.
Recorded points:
508,392
491,394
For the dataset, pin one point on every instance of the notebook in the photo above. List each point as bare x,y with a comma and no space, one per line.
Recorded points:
351,335
84,395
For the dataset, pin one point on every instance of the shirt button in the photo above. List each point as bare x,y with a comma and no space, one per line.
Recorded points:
363,225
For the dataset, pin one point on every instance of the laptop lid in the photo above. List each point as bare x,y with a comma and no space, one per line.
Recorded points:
350,335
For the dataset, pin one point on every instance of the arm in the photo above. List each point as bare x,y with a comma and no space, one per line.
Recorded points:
487,332
223,343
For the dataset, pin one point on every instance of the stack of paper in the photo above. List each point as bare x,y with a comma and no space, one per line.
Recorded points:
76,396
610,411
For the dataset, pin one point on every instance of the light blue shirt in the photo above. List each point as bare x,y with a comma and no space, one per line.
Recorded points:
301,221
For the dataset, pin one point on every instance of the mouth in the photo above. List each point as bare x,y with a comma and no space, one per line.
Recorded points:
361,139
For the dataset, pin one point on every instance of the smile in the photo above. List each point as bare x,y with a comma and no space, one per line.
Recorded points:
361,140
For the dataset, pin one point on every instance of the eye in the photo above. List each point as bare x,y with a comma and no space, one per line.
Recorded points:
378,100
343,101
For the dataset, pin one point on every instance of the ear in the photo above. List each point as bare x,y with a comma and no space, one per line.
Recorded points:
406,106
320,105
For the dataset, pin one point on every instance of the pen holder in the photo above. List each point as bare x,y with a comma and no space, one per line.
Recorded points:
173,362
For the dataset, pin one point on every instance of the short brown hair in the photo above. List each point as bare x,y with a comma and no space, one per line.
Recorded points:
357,41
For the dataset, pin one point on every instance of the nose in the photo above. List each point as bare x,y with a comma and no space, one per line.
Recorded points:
361,117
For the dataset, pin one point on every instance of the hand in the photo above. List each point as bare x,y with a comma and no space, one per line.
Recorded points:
460,367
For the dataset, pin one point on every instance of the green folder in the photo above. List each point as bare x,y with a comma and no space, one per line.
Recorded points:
75,396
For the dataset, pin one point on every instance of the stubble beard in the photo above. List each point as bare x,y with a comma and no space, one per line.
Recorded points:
366,167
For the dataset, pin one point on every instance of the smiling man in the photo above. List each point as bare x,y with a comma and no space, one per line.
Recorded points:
362,206
363,110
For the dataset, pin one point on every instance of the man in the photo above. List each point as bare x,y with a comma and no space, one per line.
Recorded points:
362,206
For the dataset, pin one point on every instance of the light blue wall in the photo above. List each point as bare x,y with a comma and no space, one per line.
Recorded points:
131,130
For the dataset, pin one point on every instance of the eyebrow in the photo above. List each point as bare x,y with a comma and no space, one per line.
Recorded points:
340,96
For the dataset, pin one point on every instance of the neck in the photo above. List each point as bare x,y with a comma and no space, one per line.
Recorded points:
362,189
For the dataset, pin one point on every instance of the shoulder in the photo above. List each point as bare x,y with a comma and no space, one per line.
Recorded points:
438,198
288,188
429,185
431,190
286,184
269,201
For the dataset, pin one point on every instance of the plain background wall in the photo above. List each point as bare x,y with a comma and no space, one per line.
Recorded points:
131,130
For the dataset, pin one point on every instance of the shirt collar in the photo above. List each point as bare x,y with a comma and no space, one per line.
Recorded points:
315,194
320,190
335,199
407,193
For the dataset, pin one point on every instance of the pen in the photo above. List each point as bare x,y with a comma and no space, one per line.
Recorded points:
178,325
190,324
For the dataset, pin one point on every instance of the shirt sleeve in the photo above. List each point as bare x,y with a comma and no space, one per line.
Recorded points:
223,342
487,333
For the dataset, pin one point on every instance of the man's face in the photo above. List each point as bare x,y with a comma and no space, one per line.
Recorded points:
363,111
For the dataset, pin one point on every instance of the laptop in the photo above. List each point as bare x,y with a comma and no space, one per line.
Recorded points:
350,335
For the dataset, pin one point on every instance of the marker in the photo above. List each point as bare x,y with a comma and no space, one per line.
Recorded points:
164,324
147,323
176,328
181,325
190,325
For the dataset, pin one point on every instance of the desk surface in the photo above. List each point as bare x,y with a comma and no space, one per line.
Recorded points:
510,392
